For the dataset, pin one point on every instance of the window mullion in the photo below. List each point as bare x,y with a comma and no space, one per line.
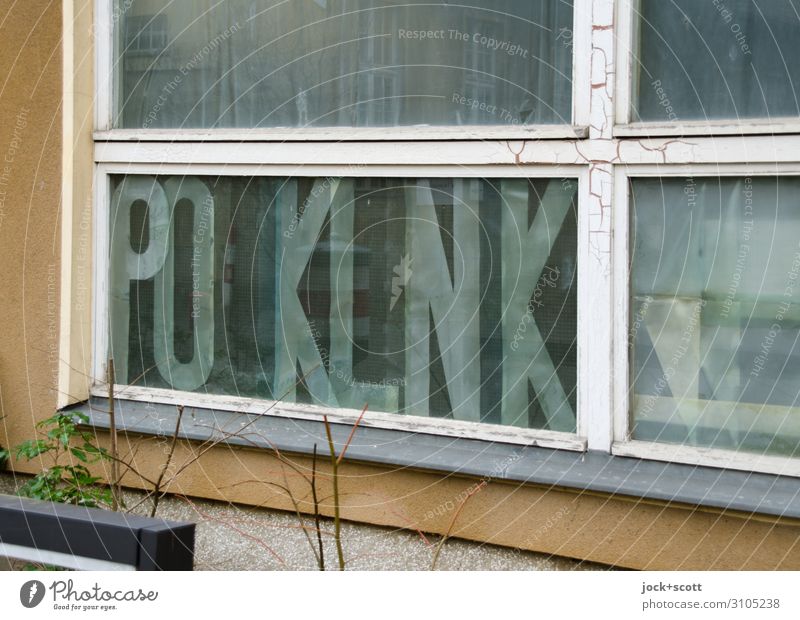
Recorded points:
594,252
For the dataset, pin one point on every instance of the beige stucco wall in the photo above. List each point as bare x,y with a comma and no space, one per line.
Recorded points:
30,233
36,326
626,532
77,173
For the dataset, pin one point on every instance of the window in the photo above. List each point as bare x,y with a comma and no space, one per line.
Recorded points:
448,298
323,271
146,34
716,60
716,327
407,207
705,256
353,63
378,86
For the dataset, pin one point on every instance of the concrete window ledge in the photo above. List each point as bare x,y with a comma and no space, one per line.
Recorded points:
756,493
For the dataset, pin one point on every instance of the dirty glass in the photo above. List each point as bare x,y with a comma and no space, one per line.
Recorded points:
715,60
447,298
334,63
715,318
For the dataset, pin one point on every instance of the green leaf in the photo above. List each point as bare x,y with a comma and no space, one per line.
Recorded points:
41,567
32,448
97,450
51,420
39,487
79,454
71,483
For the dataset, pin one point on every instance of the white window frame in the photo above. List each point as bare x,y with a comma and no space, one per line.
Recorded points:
452,152
718,147
623,445
600,158
105,58
454,428
627,14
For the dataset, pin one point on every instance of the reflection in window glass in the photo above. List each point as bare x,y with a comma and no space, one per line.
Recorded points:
448,298
710,60
715,318
356,63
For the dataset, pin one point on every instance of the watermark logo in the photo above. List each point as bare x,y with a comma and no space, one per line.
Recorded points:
401,278
67,597
31,593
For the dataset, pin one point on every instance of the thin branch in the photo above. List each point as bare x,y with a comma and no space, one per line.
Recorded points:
131,457
167,463
212,444
316,509
446,536
146,498
137,378
255,539
352,432
337,523
296,507
130,467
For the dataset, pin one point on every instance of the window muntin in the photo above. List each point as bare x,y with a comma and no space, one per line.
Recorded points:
450,298
363,63
715,60
714,320
146,34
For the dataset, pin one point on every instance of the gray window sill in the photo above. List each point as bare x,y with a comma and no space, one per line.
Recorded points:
590,471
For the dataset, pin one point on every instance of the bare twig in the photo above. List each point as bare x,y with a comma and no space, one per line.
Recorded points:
131,468
208,445
337,522
130,458
317,522
352,432
449,531
403,517
297,508
158,494
165,478
239,531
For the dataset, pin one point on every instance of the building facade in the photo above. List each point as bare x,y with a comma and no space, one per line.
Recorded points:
549,245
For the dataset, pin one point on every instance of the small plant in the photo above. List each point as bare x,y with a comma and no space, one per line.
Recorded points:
65,483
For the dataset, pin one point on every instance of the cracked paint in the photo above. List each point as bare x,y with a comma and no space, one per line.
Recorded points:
601,151
601,114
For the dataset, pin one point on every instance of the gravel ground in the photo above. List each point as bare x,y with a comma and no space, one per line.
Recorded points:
234,537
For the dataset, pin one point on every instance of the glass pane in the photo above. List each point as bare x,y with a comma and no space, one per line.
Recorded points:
448,298
356,63
715,318
709,60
